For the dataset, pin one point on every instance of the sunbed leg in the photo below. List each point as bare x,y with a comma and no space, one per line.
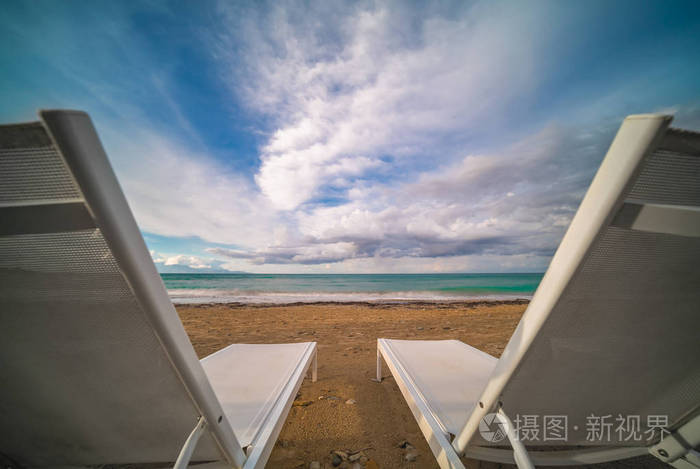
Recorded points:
314,368
676,448
183,458
379,365
522,459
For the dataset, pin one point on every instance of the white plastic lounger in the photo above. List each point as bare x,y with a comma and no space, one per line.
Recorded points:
95,366
610,340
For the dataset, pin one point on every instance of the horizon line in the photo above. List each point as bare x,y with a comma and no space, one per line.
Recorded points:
348,273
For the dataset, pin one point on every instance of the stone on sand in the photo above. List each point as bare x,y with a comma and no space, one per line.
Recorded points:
343,455
405,445
302,403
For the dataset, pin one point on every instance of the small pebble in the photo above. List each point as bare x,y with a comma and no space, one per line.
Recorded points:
336,460
419,328
350,401
410,456
355,457
342,454
302,403
315,465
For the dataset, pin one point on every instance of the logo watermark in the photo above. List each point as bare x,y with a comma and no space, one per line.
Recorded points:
491,428
599,428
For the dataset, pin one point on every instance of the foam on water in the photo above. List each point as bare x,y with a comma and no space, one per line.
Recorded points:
184,296
377,288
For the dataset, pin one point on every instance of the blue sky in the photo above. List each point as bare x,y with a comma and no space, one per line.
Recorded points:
353,136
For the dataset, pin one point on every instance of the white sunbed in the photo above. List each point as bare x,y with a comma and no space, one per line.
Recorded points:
612,333
95,366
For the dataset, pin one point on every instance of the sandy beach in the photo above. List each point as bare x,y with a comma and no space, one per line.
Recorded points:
321,420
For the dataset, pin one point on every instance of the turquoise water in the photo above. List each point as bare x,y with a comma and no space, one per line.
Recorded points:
290,288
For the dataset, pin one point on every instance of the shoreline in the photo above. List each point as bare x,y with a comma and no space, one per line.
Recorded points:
347,288
261,300
367,303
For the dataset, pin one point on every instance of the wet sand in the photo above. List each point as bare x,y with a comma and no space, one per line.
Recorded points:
346,335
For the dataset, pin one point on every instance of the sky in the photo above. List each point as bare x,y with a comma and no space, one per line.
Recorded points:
353,137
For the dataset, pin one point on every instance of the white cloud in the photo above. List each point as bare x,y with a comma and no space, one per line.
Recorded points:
194,262
178,192
341,104
157,257
467,209
342,93
387,128
190,261
310,254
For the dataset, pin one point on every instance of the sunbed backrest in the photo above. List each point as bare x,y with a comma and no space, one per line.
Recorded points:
622,336
87,375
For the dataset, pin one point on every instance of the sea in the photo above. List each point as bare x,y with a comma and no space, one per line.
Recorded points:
377,288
